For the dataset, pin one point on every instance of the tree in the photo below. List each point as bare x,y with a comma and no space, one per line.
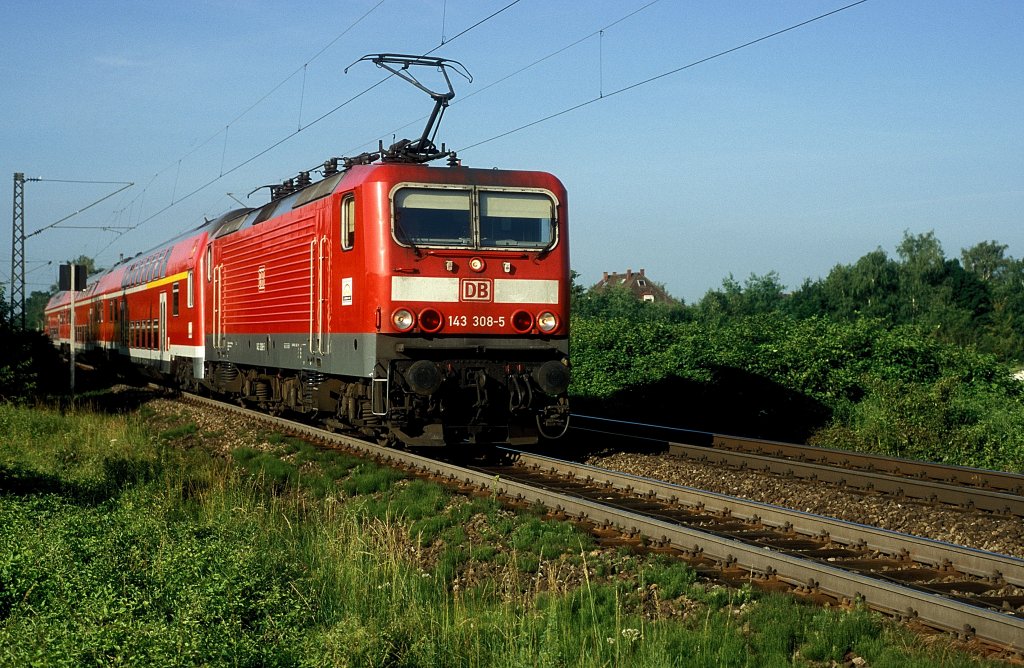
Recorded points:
1006,333
922,269
89,264
758,294
618,301
875,283
763,294
576,290
35,306
922,254
986,260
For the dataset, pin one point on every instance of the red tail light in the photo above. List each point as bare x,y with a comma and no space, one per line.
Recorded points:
431,320
522,321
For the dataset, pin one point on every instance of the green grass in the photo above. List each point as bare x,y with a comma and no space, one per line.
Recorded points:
122,549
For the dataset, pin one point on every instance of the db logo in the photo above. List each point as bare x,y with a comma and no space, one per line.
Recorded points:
476,289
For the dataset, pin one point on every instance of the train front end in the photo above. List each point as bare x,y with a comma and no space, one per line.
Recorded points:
473,338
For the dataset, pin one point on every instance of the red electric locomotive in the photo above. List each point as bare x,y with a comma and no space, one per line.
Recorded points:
417,304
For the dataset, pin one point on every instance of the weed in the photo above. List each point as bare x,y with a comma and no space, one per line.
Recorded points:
274,437
369,479
673,578
190,559
266,468
179,432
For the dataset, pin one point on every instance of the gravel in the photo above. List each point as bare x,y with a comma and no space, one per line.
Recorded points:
969,528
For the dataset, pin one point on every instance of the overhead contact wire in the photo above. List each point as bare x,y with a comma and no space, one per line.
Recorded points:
301,129
254,105
524,68
644,82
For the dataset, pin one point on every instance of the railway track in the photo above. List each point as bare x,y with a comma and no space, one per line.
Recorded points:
924,482
973,594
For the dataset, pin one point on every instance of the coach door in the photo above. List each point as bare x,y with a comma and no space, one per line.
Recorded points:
161,342
123,324
319,293
216,274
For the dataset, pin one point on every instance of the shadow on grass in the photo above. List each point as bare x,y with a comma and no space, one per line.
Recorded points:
735,402
111,388
20,482
118,474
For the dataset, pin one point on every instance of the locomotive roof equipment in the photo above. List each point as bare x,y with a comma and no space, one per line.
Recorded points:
422,149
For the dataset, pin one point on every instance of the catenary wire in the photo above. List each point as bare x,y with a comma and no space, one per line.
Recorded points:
250,108
676,70
521,69
297,131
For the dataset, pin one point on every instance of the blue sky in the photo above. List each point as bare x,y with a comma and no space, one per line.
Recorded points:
795,154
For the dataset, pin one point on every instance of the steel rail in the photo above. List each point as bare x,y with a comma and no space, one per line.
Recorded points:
966,476
970,488
978,498
963,475
758,562
979,563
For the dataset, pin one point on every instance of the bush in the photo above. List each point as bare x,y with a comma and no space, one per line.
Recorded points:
849,384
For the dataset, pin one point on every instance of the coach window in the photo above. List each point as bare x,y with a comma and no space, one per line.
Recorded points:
189,290
432,217
174,299
348,222
166,262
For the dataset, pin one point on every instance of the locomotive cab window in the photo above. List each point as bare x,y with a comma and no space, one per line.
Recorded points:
519,220
432,217
473,218
348,222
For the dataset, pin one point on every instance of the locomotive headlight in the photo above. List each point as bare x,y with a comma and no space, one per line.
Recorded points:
477,264
547,321
403,319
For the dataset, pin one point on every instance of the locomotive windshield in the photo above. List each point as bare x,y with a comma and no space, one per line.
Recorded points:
521,220
425,217
433,217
